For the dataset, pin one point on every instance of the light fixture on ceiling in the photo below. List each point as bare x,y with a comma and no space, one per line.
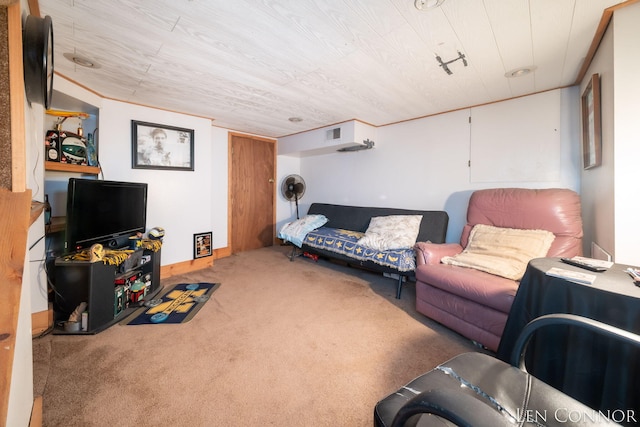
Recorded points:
81,60
427,4
519,72
445,65
366,145
295,119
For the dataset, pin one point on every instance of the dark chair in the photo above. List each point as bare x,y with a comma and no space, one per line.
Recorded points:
475,389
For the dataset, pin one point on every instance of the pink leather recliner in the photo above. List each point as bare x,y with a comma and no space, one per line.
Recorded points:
474,303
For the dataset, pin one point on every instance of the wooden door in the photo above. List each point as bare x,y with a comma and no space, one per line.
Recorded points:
251,192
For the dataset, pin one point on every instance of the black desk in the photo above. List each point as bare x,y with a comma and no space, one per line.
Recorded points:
600,372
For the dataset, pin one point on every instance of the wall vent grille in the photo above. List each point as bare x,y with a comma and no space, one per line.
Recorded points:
333,134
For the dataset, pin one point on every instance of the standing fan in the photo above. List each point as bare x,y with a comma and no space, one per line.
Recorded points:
293,187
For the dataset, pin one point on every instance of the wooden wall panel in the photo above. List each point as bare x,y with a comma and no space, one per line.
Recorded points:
5,102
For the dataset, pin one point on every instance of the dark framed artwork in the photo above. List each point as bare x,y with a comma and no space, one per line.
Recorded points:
591,126
202,244
155,146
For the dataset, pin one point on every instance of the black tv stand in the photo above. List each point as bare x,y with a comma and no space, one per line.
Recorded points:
95,284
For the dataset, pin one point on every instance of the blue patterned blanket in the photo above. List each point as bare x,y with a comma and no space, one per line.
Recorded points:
345,242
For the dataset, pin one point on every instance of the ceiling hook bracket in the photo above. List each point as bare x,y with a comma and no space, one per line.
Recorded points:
445,65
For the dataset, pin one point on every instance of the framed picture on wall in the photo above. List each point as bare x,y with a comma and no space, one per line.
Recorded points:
591,130
202,244
155,146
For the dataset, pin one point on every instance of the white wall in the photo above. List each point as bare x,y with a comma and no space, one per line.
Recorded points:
219,186
418,164
424,164
598,186
34,115
21,389
626,130
609,208
179,201
182,202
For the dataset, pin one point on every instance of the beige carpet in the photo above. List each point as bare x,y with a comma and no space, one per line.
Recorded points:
280,343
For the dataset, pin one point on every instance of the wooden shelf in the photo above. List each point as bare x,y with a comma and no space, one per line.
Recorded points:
65,167
58,223
36,210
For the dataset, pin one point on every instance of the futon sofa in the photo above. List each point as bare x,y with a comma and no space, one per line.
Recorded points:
475,299
337,239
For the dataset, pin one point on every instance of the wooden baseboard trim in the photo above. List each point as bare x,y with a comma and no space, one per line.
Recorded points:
222,252
167,271
41,321
36,412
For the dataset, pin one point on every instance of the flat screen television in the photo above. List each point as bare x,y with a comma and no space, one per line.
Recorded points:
105,212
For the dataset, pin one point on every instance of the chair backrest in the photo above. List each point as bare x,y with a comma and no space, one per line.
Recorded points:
553,209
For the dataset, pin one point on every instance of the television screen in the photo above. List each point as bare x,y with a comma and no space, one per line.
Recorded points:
105,212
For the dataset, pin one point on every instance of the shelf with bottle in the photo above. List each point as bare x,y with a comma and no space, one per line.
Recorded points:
58,223
70,150
66,167
47,210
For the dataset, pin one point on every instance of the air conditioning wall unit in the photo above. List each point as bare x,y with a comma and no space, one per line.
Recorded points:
327,140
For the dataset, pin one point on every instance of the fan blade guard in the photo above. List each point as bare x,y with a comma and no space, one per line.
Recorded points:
293,187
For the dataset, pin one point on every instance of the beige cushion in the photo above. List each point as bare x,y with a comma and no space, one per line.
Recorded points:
502,251
391,232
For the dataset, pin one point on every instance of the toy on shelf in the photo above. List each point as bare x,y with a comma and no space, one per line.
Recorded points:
69,147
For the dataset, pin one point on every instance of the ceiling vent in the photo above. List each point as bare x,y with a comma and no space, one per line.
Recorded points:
366,145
